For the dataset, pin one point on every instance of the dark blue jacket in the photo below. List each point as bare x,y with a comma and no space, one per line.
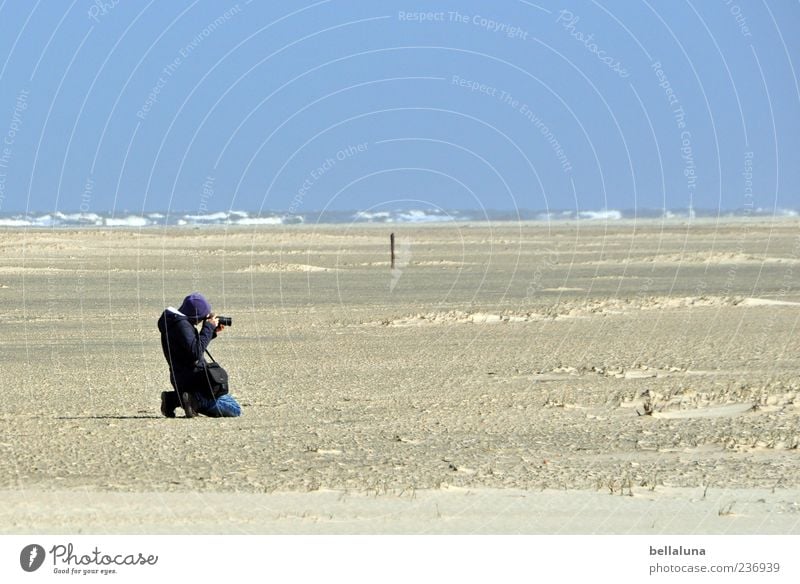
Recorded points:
183,347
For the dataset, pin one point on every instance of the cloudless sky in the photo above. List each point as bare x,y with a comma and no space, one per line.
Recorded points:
300,106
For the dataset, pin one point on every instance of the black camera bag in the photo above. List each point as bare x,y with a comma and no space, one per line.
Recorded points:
212,376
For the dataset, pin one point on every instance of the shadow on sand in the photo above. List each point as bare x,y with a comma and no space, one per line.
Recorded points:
150,417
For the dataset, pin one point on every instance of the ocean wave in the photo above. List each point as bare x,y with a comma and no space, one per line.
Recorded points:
416,216
604,215
129,221
260,221
14,223
410,216
367,216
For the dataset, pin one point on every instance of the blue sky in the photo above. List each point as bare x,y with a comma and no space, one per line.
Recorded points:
206,106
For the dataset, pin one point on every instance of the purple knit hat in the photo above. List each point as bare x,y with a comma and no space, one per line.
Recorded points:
195,307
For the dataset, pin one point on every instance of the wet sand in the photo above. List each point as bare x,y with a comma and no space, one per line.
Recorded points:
653,365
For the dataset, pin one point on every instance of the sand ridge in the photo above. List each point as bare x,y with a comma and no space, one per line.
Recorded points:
590,308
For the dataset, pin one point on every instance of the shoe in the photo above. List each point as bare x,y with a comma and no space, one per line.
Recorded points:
165,407
188,404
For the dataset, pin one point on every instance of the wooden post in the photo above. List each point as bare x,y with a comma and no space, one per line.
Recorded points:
391,245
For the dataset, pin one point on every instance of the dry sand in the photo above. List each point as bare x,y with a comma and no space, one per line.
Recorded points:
506,378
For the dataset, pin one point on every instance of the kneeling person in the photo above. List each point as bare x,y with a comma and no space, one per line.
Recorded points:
184,345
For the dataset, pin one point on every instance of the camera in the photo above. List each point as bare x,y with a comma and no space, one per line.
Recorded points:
225,320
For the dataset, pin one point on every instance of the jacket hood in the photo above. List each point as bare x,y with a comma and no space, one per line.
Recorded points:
195,307
170,316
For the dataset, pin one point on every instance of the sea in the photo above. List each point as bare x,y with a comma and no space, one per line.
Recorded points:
126,219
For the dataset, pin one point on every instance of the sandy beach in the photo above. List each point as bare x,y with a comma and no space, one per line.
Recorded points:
576,377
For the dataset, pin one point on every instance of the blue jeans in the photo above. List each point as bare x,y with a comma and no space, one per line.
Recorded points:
223,407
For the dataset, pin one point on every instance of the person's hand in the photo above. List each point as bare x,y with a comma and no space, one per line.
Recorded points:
212,318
